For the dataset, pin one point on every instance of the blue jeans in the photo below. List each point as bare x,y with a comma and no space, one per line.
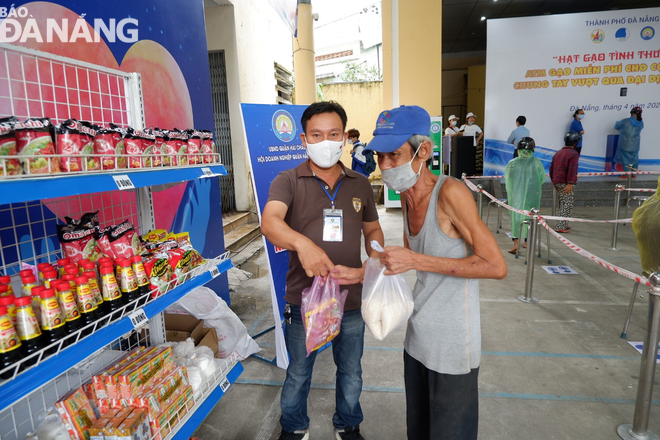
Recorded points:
347,350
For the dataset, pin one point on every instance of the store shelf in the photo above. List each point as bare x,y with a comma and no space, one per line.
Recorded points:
60,185
51,368
203,407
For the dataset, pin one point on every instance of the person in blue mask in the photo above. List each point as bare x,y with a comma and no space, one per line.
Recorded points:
627,150
576,126
449,246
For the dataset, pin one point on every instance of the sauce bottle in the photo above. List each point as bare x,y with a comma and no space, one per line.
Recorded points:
50,275
142,279
5,280
96,292
71,269
26,273
10,344
61,263
110,290
36,301
8,301
71,279
29,283
28,329
86,303
53,322
5,290
41,268
127,281
69,307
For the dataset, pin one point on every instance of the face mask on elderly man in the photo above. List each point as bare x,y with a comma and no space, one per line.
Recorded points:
403,177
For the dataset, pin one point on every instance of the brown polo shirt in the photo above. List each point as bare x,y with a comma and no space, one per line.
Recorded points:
301,191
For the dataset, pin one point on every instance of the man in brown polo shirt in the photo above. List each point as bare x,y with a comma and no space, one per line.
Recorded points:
303,205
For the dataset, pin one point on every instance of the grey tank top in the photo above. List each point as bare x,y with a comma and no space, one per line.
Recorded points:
444,331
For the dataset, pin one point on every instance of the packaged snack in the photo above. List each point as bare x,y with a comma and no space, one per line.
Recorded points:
34,138
124,241
208,147
76,413
169,148
67,140
155,236
148,142
8,167
181,138
194,146
109,141
87,133
134,427
133,148
159,272
78,242
102,236
157,149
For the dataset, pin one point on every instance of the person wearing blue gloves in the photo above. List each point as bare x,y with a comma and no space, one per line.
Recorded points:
627,150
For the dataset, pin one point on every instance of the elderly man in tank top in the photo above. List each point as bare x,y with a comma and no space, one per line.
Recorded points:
449,246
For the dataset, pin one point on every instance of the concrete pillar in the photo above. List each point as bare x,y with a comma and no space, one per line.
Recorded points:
412,54
304,68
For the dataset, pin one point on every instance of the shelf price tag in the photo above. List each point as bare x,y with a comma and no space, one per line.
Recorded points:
206,171
123,182
224,385
138,318
214,272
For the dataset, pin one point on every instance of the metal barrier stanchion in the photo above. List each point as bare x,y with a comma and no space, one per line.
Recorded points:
531,245
547,236
624,333
639,430
522,224
480,199
617,207
630,168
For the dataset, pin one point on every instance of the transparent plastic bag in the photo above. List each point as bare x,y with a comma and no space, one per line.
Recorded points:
387,300
322,309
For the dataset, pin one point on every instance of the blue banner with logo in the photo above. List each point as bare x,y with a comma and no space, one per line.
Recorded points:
274,145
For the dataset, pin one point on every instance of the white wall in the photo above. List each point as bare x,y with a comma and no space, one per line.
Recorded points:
253,38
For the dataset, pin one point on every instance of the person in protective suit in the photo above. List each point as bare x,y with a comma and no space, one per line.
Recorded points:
627,150
646,225
524,177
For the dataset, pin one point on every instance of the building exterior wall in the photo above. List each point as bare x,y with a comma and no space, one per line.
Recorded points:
412,56
476,92
253,41
363,103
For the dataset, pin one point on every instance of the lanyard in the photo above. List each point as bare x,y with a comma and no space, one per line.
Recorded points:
332,198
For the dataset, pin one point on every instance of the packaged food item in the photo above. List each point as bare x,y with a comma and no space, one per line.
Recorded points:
52,319
67,141
109,141
124,241
194,146
77,414
208,147
78,242
159,272
34,138
170,148
141,277
133,148
10,343
157,149
134,427
8,167
110,289
127,281
87,134
8,301
155,236
181,142
99,381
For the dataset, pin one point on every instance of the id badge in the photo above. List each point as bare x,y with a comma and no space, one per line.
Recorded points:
333,225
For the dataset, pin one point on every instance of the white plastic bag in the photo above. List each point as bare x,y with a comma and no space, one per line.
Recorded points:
233,337
387,300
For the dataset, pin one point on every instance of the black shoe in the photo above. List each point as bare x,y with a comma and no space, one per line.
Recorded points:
297,435
348,434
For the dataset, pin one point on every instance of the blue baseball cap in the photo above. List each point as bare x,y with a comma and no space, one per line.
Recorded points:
394,127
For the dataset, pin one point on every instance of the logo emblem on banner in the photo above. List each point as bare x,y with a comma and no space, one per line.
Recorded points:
622,34
284,126
357,204
647,33
597,36
435,128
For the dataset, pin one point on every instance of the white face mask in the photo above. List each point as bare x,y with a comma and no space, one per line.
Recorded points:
454,123
325,153
403,177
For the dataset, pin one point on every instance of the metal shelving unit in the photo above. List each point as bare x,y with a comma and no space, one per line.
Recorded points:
31,207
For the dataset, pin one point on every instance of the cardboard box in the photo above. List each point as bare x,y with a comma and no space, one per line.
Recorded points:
209,339
76,413
178,328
